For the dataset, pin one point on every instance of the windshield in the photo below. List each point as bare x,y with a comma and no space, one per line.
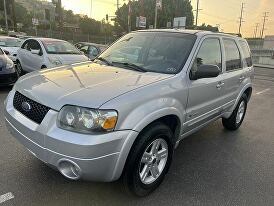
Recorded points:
59,47
9,42
160,52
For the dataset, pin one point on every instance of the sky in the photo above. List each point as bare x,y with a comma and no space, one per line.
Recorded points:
226,13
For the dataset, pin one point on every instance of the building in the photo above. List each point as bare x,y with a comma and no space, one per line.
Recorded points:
262,50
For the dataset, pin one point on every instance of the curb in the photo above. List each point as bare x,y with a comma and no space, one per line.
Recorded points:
264,66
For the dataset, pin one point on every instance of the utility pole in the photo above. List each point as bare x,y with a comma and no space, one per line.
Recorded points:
241,18
256,30
197,12
264,20
129,16
6,16
90,8
156,16
118,4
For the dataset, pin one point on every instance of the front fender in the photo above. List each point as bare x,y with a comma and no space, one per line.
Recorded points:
142,115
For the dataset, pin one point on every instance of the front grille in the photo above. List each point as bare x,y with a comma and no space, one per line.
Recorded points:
36,112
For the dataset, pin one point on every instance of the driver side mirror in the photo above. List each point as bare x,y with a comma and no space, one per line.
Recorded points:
206,71
6,52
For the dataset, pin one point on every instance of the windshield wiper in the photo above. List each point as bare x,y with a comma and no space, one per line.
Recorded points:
132,66
104,60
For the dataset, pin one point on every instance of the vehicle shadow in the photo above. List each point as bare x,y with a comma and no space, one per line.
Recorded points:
199,168
5,89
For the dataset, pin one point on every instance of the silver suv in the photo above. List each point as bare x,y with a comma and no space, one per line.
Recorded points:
125,113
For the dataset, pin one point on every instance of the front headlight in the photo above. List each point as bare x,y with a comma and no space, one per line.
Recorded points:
84,120
10,64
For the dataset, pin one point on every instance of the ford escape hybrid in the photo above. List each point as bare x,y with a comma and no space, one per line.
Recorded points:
123,115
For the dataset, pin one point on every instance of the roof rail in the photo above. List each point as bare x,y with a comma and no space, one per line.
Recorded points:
233,34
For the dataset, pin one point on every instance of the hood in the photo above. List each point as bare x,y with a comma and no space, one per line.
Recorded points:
69,58
11,50
86,84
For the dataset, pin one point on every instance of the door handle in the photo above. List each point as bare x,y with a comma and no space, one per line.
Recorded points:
220,84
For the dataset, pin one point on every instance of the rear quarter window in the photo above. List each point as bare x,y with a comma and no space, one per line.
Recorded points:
246,54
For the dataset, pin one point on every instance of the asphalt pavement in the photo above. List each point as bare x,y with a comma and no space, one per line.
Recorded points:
211,167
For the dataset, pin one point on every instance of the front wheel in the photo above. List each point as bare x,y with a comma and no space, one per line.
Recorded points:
149,160
238,115
19,68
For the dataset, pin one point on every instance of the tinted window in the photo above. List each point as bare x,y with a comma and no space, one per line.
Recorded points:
246,54
161,52
34,45
93,51
84,49
209,53
232,54
25,45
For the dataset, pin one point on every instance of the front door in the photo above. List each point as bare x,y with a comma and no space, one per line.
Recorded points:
205,99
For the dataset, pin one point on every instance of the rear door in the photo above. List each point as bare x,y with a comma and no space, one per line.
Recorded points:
205,95
234,74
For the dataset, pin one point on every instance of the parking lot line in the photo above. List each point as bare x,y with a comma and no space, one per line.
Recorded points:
6,197
263,91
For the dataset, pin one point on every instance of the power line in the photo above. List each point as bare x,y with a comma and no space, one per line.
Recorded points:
241,18
264,20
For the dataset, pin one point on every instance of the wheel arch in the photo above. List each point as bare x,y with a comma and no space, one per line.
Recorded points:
247,89
173,121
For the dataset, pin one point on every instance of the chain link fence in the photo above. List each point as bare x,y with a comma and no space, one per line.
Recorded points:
262,51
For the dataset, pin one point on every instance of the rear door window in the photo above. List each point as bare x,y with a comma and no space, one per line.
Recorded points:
232,55
246,54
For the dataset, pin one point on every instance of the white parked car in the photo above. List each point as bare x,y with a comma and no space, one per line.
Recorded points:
40,53
10,46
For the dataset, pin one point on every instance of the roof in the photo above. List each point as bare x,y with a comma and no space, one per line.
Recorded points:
8,37
188,31
91,44
45,39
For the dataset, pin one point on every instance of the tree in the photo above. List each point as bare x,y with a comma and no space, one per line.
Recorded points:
207,28
90,26
170,9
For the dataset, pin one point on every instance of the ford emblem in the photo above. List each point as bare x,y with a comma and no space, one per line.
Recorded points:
26,106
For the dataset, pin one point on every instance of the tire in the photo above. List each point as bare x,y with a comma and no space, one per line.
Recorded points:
235,121
43,67
19,68
155,133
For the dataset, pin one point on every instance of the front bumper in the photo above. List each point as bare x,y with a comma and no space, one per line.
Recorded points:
96,157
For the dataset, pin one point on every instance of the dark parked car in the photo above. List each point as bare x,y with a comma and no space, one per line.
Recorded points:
91,50
8,72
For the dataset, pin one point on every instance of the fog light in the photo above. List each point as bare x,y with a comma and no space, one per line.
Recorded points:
69,169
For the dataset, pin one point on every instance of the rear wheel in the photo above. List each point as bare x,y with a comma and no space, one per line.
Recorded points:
238,115
149,160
